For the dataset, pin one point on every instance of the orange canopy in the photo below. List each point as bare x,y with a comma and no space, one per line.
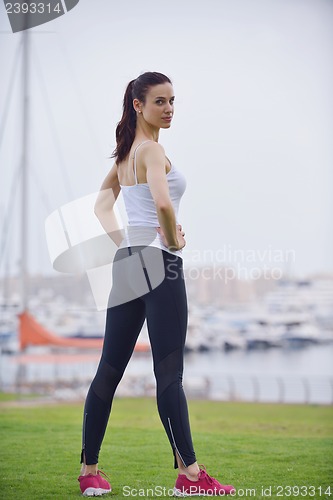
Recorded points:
33,333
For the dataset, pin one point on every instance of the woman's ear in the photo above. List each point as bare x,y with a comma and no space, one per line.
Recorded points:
137,105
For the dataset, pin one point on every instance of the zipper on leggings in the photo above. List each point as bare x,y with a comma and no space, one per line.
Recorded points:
174,443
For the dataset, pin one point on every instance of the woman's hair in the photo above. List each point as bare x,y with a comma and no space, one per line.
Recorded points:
125,131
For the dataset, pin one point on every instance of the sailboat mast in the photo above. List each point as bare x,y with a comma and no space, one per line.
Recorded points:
24,170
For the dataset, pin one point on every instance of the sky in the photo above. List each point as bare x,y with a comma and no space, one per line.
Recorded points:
252,130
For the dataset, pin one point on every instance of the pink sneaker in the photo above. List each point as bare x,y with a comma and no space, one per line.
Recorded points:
94,485
206,486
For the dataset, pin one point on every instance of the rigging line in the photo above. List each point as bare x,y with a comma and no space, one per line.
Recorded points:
78,93
10,211
42,193
53,127
10,91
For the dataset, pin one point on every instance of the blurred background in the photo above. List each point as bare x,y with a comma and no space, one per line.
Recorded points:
253,135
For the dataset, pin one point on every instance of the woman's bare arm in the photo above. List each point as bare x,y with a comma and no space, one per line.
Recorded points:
105,201
153,156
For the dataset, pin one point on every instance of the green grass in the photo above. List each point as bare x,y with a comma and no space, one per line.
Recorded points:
4,397
248,445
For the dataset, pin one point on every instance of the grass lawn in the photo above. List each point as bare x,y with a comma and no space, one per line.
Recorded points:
252,446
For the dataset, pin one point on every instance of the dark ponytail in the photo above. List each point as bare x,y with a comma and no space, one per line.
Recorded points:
125,131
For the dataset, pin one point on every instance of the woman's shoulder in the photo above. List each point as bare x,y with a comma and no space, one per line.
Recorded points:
150,146
151,151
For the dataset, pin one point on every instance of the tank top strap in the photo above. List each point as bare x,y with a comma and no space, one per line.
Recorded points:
135,175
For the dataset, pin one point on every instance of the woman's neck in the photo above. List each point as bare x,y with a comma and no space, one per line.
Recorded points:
146,131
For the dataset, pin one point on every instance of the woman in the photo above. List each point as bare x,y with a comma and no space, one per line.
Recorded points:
152,189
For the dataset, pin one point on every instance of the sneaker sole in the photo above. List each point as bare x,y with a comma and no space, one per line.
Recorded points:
95,492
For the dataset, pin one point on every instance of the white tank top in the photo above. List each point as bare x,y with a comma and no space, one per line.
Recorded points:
141,209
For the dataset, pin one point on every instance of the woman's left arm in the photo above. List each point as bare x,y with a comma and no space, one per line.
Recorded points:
105,201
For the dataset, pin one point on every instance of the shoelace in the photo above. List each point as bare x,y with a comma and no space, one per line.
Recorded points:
203,475
103,473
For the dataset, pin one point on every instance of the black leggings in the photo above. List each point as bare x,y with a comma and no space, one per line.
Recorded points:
148,283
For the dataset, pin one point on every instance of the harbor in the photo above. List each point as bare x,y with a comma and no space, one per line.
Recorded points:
276,348
289,376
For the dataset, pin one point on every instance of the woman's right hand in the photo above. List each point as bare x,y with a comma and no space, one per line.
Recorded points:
180,237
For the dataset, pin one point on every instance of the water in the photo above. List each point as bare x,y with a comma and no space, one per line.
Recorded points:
285,375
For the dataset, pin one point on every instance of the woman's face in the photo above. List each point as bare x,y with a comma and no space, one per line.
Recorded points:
159,106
